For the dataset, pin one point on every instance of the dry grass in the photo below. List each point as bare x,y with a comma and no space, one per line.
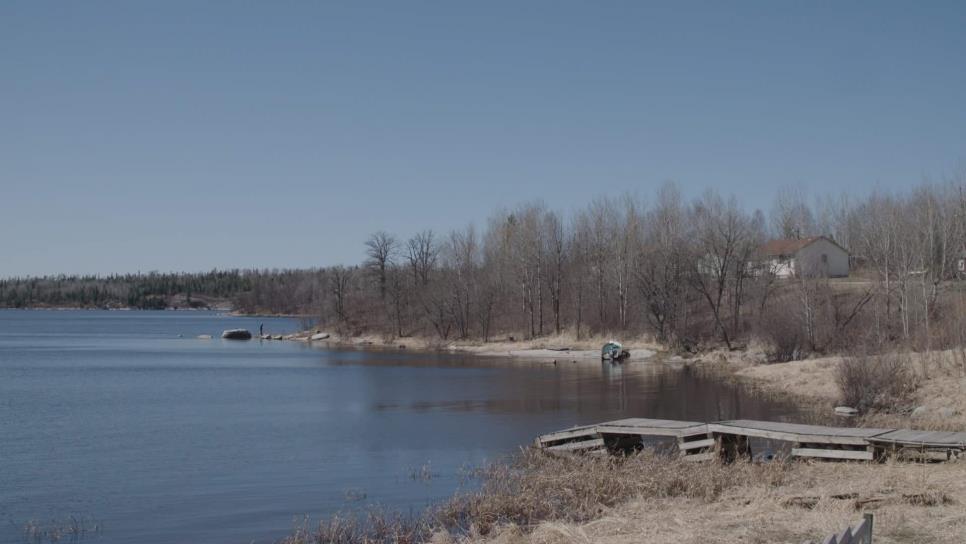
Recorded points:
813,377
534,488
940,388
540,499
765,503
940,397
72,529
374,527
537,487
883,383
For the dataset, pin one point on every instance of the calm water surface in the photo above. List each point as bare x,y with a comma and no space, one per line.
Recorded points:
128,419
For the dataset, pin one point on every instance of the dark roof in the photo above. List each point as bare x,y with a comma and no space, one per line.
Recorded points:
790,247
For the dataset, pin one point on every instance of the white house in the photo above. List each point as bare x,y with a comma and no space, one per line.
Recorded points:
817,256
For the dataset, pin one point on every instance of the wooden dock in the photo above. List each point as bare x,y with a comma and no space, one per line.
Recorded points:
696,441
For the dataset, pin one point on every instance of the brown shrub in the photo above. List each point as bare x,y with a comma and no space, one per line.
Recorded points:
782,332
881,383
537,487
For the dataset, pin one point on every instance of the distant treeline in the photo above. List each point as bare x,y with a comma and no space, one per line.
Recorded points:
151,291
686,272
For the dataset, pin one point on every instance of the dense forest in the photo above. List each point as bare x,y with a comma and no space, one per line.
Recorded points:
687,273
153,291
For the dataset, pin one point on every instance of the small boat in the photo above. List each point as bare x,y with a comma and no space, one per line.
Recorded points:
613,351
237,334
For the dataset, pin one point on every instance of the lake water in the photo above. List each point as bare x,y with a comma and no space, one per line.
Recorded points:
127,420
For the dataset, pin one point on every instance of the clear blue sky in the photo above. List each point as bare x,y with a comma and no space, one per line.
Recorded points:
189,135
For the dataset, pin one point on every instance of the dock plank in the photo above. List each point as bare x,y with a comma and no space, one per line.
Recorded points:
577,446
695,444
833,454
796,432
653,427
808,440
926,438
656,423
799,428
567,434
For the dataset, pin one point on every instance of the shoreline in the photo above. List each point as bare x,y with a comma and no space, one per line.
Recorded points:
227,311
790,500
642,498
543,349
540,499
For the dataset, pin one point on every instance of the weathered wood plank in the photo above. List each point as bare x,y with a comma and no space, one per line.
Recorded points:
694,444
645,431
799,428
810,439
652,423
867,522
577,446
568,434
794,433
652,427
924,455
860,534
833,454
925,438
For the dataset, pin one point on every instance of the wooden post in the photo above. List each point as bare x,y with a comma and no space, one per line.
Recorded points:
731,447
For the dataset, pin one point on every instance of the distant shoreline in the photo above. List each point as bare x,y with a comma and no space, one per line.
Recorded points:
119,309
227,311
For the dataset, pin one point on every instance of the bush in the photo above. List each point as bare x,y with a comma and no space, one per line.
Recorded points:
882,383
781,331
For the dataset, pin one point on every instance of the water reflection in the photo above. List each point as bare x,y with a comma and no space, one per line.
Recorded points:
579,393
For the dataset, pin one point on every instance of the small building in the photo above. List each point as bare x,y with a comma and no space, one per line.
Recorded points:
817,256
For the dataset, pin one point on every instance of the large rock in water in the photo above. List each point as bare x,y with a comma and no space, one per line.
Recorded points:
237,334
320,336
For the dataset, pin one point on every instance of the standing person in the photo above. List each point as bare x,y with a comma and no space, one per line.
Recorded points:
261,329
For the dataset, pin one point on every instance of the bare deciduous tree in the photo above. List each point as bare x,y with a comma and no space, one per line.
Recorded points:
422,254
381,248
339,284
720,238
